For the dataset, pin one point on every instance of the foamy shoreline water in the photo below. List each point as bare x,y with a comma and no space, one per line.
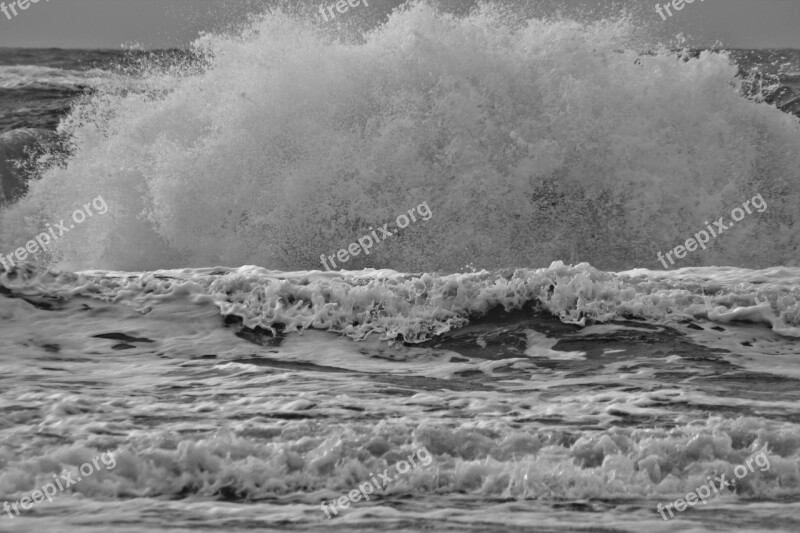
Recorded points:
208,415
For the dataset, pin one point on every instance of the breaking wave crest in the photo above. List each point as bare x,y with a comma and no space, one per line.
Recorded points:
532,140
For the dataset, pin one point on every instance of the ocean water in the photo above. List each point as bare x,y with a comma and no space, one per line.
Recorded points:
525,335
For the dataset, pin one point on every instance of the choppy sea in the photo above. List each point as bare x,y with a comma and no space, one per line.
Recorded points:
525,335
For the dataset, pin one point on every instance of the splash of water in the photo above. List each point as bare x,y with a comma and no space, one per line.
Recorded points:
532,140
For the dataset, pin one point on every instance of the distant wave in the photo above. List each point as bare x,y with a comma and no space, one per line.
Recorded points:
38,77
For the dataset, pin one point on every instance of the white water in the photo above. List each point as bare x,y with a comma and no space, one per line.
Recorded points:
207,422
531,140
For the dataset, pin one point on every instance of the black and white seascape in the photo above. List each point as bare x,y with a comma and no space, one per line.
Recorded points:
366,265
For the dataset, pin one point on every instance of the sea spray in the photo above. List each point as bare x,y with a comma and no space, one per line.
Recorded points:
535,141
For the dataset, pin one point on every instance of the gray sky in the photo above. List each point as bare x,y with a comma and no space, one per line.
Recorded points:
165,23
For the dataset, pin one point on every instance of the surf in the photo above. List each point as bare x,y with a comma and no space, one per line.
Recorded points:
533,139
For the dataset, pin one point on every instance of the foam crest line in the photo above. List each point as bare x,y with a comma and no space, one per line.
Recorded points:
416,307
